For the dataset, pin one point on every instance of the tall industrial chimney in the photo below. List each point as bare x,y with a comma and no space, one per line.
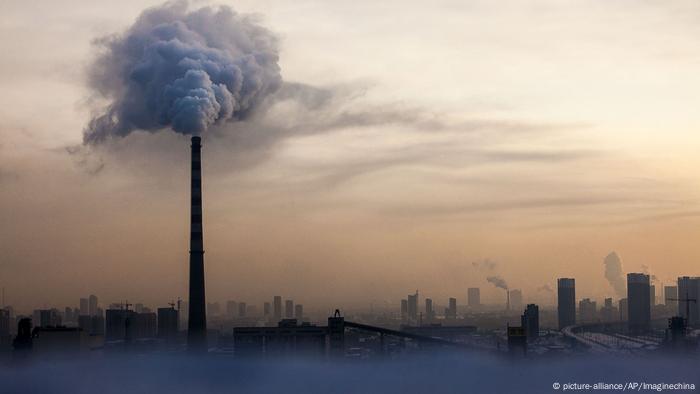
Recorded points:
197,324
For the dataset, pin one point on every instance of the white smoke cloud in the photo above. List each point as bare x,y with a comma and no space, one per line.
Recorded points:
498,282
614,273
183,70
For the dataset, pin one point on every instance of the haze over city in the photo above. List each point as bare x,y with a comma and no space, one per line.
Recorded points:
405,142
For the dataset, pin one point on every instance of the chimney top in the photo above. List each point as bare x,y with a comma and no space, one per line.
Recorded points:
196,140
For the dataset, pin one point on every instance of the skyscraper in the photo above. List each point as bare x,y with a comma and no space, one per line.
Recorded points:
516,299
299,312
670,298
689,288
289,309
92,305
638,302
451,310
429,311
277,311
473,297
413,306
267,309
530,321
652,295
197,319
231,309
566,302
404,309
167,323
588,311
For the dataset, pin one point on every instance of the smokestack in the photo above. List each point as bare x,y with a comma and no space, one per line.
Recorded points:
197,324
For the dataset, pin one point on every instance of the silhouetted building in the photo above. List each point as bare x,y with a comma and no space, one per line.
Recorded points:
517,341
516,299
429,311
287,339
4,323
566,305
277,315
118,323
92,325
608,312
413,306
299,312
267,309
530,321
289,309
404,309
47,317
671,298
92,305
450,332
622,307
22,343
689,296
451,310
473,297
167,323
588,311
58,341
638,302
197,317
242,309
652,295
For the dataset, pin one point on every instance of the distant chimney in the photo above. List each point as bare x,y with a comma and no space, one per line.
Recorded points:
197,323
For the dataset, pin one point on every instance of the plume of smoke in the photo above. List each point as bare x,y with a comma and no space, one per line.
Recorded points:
485,264
545,288
183,70
614,274
498,282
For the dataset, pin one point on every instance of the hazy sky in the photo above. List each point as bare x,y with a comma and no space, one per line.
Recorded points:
540,135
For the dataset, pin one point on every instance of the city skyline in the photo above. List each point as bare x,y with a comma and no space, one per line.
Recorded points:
359,183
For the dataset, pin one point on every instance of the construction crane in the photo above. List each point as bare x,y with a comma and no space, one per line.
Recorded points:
687,301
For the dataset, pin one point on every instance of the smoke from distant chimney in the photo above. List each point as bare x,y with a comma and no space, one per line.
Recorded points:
614,274
181,70
498,282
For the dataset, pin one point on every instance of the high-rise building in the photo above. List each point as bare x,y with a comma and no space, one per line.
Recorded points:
652,295
413,306
4,324
566,302
429,311
92,305
451,310
404,309
609,313
638,302
530,321
197,316
516,299
671,298
277,314
588,311
473,297
84,307
289,309
299,312
242,309
167,323
622,306
267,309
689,289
